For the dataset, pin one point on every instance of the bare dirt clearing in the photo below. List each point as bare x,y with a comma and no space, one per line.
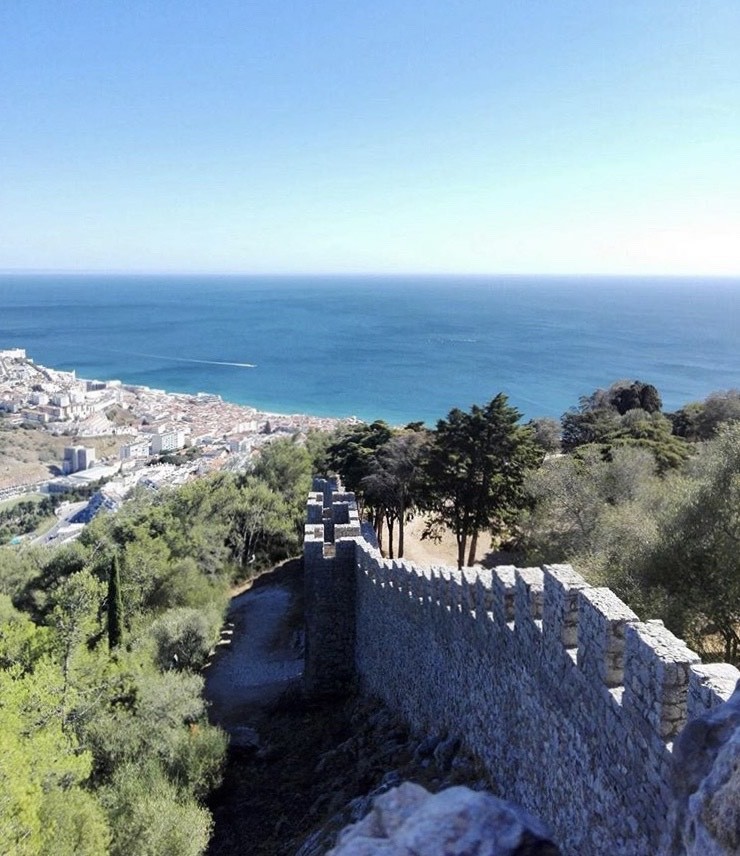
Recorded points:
29,455
444,552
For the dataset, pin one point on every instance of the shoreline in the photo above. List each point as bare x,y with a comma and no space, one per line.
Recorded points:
143,421
358,347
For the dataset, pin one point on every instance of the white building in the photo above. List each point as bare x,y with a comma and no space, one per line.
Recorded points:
77,458
137,449
167,441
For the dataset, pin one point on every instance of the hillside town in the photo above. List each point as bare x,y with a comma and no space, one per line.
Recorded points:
147,426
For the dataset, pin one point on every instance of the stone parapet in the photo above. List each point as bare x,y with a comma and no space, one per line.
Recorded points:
657,676
710,685
602,619
569,702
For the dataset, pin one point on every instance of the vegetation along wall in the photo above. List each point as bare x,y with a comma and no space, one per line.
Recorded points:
567,699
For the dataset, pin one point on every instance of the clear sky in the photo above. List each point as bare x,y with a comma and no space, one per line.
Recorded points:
545,136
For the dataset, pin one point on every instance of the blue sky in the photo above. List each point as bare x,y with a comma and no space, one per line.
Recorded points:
529,136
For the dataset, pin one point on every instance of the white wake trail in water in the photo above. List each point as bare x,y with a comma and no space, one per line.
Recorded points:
187,359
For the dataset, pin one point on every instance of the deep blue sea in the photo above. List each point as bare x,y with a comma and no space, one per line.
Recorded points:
396,348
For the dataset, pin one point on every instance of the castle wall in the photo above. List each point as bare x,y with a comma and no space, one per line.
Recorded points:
568,700
329,555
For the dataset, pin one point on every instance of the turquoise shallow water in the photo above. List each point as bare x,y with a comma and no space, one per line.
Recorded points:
397,348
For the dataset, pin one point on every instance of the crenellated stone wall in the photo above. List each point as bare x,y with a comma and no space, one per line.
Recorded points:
329,556
567,699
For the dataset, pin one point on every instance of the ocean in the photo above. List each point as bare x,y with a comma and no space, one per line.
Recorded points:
395,348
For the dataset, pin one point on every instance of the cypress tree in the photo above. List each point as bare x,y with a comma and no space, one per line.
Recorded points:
115,606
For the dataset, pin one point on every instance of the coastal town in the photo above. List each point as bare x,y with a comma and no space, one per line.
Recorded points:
115,436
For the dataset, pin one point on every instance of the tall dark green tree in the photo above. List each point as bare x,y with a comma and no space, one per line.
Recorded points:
351,454
475,471
394,481
115,605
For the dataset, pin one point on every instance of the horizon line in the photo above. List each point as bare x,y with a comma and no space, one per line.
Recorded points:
362,274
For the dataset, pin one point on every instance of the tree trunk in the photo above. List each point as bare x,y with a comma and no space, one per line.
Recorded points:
461,541
473,548
379,530
401,520
390,540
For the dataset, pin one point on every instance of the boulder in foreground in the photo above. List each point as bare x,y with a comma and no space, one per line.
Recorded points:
456,822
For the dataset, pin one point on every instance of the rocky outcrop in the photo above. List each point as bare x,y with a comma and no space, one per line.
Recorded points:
456,822
705,817
379,756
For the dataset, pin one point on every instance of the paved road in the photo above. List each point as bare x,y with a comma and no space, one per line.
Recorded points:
63,530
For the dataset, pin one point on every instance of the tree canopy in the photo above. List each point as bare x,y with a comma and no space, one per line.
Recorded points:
475,469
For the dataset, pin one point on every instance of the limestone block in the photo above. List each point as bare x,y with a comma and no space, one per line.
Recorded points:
602,618
560,608
455,588
503,588
657,667
416,583
469,580
408,820
529,594
710,685
483,594
347,530
368,533
441,585
314,508
314,533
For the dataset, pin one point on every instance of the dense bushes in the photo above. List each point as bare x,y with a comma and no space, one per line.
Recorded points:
105,745
666,542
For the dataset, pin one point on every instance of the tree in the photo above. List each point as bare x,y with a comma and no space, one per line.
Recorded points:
581,427
628,413
260,529
701,420
625,396
285,466
150,816
350,455
74,619
115,605
475,471
696,558
581,500
547,434
41,766
394,481
652,432
184,638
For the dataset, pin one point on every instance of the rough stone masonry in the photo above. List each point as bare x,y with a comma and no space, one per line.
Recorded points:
570,702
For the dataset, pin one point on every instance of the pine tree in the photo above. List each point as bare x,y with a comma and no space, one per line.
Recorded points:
115,605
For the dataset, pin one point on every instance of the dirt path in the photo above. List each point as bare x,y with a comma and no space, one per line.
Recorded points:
260,655
295,765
